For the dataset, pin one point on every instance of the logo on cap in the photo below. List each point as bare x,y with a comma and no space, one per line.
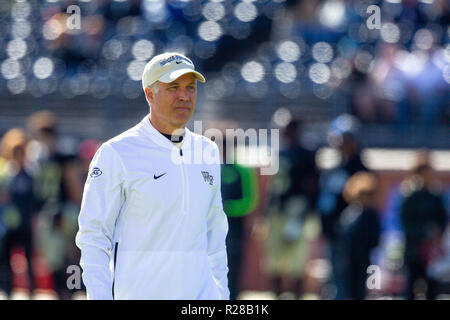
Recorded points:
172,58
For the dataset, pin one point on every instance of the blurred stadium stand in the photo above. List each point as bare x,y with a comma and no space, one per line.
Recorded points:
314,58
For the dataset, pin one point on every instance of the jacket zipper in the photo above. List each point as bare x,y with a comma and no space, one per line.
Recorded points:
185,186
114,263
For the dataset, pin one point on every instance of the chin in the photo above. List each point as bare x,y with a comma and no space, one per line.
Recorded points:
181,122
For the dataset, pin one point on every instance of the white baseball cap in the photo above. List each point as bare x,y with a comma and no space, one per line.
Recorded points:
167,67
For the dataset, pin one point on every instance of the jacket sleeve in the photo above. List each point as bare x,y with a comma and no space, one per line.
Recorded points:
217,233
102,200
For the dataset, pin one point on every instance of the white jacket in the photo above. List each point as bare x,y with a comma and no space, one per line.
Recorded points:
151,224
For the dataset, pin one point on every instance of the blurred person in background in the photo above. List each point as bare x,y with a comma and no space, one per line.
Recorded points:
357,232
331,202
19,207
290,212
240,197
424,220
58,190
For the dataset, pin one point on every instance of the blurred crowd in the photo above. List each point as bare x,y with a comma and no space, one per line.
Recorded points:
335,215
397,72
41,184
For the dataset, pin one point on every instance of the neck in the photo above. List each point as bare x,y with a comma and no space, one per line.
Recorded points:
166,129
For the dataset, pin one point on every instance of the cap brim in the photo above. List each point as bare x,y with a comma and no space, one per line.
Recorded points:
173,75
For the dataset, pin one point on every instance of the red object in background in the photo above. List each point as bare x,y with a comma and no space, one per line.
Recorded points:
42,276
87,148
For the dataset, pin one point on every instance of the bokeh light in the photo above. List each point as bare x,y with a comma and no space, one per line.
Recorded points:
20,10
281,117
252,71
390,33
446,73
10,68
285,72
216,89
16,48
43,68
319,73
20,29
289,51
17,85
52,29
447,53
341,68
322,52
143,49
410,63
155,10
246,11
423,39
210,31
112,49
332,13
213,11
135,68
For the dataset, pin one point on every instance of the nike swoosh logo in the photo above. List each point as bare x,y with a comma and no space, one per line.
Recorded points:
157,177
177,62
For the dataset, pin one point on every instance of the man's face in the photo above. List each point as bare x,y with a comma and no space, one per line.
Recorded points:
173,104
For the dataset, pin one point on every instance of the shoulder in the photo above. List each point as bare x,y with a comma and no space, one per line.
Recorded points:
124,138
113,149
129,141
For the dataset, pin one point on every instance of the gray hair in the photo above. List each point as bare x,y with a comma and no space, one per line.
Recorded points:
155,87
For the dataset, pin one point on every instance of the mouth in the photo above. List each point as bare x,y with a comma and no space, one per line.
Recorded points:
183,109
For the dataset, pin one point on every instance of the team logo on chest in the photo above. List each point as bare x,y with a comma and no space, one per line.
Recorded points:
208,178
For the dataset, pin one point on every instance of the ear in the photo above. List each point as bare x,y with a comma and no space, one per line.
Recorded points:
149,94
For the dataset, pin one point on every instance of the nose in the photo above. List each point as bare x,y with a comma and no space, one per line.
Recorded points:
183,95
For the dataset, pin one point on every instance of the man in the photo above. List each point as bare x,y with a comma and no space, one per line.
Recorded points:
19,207
290,214
343,136
58,188
147,209
240,198
424,220
357,233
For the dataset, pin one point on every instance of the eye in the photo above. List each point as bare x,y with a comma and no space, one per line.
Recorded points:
191,88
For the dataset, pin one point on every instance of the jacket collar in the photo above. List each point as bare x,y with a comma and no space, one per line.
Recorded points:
156,136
